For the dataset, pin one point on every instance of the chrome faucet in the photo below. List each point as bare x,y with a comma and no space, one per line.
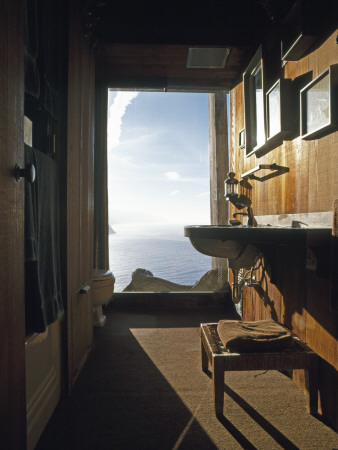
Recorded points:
251,218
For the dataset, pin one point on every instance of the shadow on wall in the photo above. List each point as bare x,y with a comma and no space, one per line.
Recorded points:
303,304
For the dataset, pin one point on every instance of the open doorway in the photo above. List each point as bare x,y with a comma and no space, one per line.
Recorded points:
158,181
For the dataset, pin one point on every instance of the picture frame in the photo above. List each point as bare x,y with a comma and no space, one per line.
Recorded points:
241,138
299,30
318,105
253,112
257,77
279,111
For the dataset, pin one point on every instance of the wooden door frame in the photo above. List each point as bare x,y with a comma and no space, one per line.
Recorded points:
12,307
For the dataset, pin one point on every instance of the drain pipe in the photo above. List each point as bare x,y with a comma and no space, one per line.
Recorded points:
240,280
236,288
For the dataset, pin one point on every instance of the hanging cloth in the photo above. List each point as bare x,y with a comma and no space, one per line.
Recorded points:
42,245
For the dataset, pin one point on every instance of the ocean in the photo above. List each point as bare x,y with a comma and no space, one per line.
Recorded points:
161,249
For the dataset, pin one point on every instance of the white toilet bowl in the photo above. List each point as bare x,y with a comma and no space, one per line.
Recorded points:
103,289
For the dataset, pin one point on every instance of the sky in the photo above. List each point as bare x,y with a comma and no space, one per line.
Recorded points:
158,158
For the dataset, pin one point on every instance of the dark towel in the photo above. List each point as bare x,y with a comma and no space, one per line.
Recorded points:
260,336
42,255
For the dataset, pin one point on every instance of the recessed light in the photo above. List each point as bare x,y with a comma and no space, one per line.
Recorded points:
207,58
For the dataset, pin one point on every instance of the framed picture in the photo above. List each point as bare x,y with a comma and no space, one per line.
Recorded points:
253,82
318,105
299,29
241,138
273,108
279,111
261,72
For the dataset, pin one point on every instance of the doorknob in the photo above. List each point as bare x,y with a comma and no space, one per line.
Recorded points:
84,289
28,173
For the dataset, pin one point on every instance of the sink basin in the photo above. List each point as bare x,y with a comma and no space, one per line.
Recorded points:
263,234
241,244
218,241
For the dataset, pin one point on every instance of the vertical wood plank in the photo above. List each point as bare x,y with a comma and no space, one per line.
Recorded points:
12,307
218,384
80,193
218,166
204,358
218,156
334,259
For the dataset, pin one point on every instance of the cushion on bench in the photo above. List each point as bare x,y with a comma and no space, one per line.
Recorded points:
260,336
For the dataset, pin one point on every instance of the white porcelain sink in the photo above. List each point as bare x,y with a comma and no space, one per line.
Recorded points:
208,241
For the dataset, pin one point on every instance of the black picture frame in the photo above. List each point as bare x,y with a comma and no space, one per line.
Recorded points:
318,105
279,111
251,145
241,138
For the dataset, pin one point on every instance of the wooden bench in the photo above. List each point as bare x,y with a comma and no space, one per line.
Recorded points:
300,356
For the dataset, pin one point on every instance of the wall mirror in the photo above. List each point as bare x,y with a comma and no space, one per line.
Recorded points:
318,105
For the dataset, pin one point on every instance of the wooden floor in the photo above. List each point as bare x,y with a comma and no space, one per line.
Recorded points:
143,388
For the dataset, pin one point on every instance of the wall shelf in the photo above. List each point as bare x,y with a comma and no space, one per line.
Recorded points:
273,168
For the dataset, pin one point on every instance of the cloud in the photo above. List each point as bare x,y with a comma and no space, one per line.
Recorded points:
203,194
172,175
116,112
174,193
142,137
175,176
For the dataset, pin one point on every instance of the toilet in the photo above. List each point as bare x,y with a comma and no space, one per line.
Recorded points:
103,289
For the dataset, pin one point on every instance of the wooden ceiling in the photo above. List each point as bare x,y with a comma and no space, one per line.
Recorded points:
144,44
163,67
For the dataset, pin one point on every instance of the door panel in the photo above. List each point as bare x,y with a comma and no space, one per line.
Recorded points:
81,329
43,379
80,186
12,309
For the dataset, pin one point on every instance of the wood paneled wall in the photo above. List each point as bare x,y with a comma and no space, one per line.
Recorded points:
299,298
311,185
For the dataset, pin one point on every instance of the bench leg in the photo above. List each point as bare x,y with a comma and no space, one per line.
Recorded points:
204,358
311,384
218,385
